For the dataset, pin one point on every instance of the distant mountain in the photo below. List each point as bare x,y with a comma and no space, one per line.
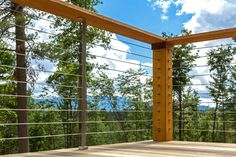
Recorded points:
204,96
104,103
203,108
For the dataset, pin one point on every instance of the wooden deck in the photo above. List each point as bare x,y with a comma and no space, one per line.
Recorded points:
144,149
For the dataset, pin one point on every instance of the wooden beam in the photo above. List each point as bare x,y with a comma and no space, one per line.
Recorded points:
162,94
75,13
213,35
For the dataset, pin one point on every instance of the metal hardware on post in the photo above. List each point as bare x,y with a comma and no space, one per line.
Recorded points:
162,93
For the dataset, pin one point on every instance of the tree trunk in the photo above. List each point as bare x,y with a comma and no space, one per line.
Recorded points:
83,117
214,123
234,127
180,116
20,76
67,125
224,127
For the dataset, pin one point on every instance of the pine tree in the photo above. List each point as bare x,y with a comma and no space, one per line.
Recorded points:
219,61
231,101
7,58
191,118
13,16
65,48
15,21
183,62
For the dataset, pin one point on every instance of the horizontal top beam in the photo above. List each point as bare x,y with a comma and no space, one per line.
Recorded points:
75,13
213,35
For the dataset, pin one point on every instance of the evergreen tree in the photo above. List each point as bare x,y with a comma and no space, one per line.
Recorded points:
7,59
183,62
191,118
15,22
231,107
64,48
13,16
130,87
219,61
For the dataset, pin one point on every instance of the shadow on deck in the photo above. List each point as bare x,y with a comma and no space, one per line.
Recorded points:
144,149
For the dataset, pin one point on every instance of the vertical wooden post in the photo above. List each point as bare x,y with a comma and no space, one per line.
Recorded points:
83,117
162,93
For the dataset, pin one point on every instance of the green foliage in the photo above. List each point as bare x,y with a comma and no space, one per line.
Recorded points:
49,124
191,115
123,93
183,62
220,67
7,88
114,96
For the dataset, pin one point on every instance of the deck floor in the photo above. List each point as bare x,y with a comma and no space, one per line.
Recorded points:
144,149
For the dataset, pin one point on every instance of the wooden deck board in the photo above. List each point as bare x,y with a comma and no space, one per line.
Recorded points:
144,149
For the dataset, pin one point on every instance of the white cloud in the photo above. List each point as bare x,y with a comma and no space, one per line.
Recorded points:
164,5
207,15
119,60
120,63
164,18
43,76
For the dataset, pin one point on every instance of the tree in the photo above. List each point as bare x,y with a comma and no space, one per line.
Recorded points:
232,92
104,98
183,62
131,88
191,117
17,14
123,97
19,18
231,100
65,48
7,59
219,61
48,123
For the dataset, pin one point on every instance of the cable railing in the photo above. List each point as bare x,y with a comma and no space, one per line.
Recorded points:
88,122
53,22
54,96
119,102
203,94
76,134
69,98
63,110
93,55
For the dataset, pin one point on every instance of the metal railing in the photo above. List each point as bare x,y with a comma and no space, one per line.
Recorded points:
200,112
53,108
118,110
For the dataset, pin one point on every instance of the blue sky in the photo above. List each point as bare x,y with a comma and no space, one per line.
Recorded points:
159,16
172,16
140,13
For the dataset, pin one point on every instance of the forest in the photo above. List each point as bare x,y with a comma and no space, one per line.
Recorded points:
119,108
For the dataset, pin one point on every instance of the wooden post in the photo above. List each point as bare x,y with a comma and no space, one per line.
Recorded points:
162,93
83,117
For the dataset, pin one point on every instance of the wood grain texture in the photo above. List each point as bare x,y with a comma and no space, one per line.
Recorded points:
213,35
75,13
144,149
162,94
